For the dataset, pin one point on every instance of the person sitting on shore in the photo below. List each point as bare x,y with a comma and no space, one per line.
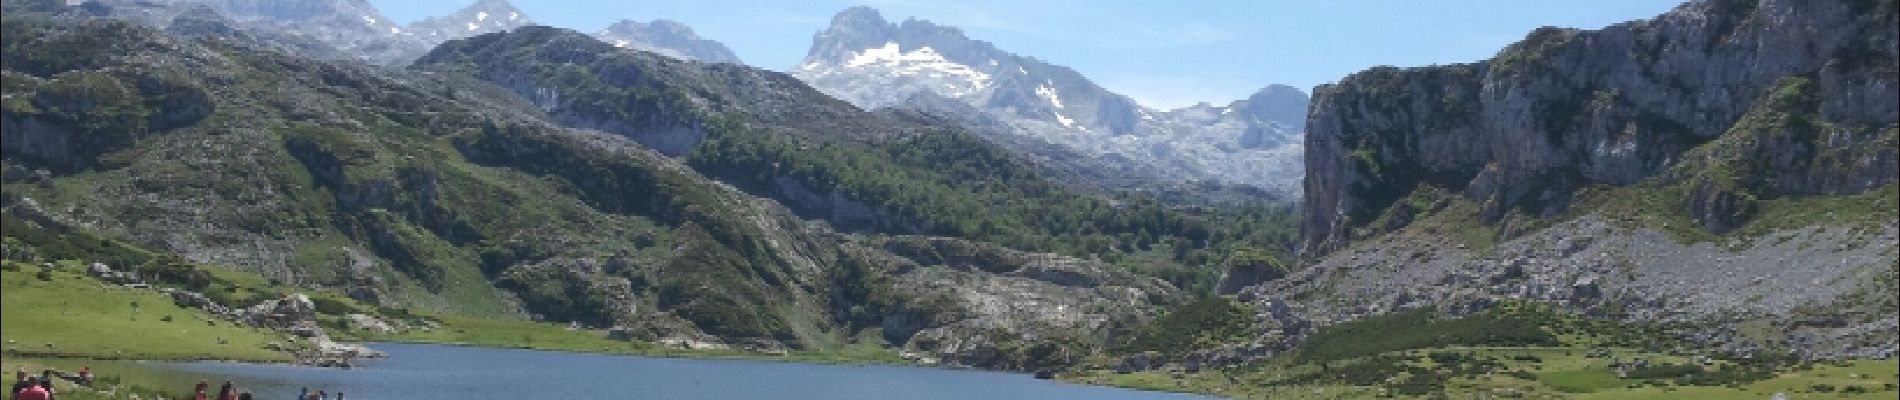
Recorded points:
22,382
321,395
85,375
198,392
33,391
46,383
227,392
303,394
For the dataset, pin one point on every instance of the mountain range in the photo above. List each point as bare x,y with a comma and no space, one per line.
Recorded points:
1054,113
356,30
1070,126
1717,183
542,173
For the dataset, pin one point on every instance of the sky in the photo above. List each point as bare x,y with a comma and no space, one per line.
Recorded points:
1164,54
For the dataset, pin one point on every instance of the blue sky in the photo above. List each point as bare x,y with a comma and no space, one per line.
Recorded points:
1162,53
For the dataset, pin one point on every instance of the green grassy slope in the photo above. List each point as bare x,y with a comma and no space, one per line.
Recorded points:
83,317
1514,352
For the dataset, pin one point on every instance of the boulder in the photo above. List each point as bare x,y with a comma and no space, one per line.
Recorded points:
367,323
285,313
190,299
1244,271
620,333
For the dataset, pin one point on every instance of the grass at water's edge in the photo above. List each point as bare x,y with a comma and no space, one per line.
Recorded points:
70,320
71,315
1563,377
480,332
88,320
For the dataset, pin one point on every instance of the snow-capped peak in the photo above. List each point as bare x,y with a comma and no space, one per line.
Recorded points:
475,19
921,64
863,59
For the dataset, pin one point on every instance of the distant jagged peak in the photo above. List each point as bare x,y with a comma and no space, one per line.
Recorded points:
667,37
480,17
872,63
1277,103
859,28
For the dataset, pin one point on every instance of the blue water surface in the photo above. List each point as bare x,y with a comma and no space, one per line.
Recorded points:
437,372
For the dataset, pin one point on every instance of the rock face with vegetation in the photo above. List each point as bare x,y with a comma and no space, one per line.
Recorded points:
1725,170
1736,102
885,172
542,174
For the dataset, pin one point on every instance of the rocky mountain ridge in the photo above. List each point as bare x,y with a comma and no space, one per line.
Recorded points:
1053,112
438,191
355,30
481,17
668,38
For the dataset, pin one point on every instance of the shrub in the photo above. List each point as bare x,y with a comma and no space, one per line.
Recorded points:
1197,325
1421,329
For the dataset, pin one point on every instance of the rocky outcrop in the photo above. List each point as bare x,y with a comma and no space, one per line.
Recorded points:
1243,272
367,323
1565,109
67,120
976,304
289,312
1821,289
839,210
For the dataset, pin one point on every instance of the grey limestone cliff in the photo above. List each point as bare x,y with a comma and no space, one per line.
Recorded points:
1740,100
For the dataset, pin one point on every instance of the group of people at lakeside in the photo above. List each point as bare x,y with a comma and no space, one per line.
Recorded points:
231,392
226,392
28,387
305,394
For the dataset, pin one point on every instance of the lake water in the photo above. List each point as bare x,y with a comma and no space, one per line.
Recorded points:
435,372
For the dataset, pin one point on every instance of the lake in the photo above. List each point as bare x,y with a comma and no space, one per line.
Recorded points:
438,372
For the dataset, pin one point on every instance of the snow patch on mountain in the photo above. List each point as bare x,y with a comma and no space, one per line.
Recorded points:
469,21
1049,93
1066,122
957,80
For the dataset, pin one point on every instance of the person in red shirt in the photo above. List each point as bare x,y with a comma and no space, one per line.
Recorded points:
33,391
